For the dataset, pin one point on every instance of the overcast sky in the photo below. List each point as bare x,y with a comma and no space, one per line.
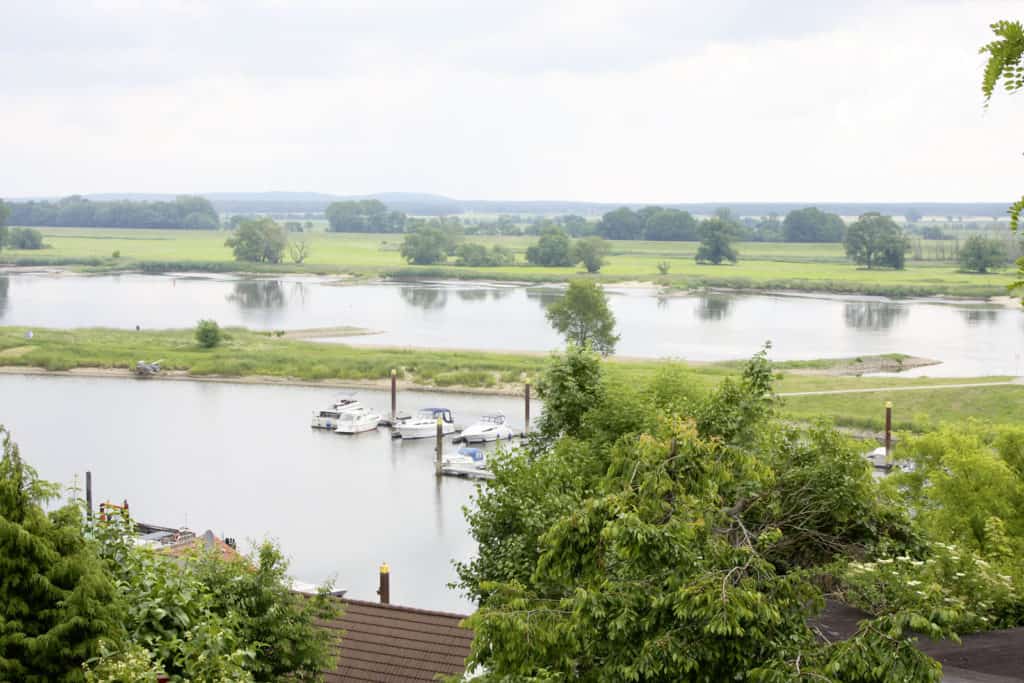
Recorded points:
733,100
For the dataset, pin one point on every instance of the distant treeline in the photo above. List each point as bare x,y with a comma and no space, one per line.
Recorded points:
185,212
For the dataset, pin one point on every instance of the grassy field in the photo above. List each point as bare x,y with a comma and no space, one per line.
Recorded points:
248,353
807,267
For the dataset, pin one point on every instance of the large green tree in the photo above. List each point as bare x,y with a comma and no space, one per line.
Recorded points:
56,601
621,224
979,254
876,240
424,246
367,215
553,248
716,238
669,225
591,252
260,240
583,317
811,224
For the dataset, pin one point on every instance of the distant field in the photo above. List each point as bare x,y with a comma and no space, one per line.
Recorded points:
819,267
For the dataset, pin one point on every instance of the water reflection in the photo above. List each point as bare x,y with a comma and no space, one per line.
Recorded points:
873,315
979,316
713,307
494,294
427,298
259,294
544,296
5,283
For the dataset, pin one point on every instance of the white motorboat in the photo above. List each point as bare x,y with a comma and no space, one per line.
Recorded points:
491,427
467,462
357,420
328,417
424,425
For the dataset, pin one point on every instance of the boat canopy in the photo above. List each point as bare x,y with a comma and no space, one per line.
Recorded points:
435,413
474,453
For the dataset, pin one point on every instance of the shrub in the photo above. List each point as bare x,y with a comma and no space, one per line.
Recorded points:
25,238
208,334
663,267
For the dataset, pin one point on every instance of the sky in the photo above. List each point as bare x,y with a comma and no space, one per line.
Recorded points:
602,100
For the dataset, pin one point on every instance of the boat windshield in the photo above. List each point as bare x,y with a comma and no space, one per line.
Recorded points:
496,419
427,414
328,413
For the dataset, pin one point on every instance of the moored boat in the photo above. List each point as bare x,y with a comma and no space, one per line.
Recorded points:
491,427
357,420
424,425
328,417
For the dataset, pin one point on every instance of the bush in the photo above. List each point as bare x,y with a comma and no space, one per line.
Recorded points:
472,254
116,254
208,334
25,238
663,267
979,254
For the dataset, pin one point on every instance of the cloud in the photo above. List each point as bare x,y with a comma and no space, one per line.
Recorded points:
599,101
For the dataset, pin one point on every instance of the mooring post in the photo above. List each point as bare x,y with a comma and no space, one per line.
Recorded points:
394,395
526,399
88,495
384,591
437,448
888,432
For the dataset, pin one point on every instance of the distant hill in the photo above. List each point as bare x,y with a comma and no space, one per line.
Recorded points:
424,204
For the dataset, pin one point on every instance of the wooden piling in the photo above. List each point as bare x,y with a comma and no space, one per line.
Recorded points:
384,591
88,495
394,395
888,432
438,447
526,399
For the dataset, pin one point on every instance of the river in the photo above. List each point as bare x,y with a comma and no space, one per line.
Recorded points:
242,461
969,338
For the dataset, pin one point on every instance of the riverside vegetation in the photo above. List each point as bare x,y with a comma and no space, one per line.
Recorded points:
764,265
244,353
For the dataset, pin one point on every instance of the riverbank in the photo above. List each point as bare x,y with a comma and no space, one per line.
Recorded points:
249,357
762,266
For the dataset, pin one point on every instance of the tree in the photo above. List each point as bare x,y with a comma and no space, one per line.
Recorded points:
259,240
812,225
583,317
716,237
368,215
471,254
621,224
424,246
56,601
981,253
208,334
591,251
669,225
1004,66
5,213
196,213
876,240
679,544
552,249
25,238
298,249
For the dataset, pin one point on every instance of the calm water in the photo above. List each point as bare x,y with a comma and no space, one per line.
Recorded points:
242,460
970,339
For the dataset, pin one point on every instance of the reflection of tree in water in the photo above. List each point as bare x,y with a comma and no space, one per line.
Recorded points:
979,316
259,294
873,315
545,296
483,293
714,307
427,298
5,282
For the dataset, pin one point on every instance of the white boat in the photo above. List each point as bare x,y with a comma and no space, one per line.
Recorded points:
424,425
357,420
328,417
467,462
491,427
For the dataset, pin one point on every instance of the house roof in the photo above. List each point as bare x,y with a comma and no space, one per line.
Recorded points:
392,643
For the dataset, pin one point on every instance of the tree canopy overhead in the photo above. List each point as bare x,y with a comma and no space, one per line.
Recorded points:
1005,55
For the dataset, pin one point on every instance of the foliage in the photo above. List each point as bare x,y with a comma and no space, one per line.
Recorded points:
621,224
367,215
56,601
5,212
980,253
583,317
591,251
208,334
673,545
424,246
298,249
260,240
812,225
571,385
1004,65
876,240
716,238
471,254
189,212
664,267
25,238
552,249
649,223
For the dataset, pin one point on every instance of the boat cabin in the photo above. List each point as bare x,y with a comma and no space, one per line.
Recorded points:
435,413
493,418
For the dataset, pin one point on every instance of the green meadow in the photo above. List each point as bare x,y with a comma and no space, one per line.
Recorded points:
804,267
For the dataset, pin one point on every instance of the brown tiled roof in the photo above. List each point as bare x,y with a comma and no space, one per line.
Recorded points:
393,643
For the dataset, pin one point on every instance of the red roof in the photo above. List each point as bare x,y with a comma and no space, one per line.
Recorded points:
393,643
